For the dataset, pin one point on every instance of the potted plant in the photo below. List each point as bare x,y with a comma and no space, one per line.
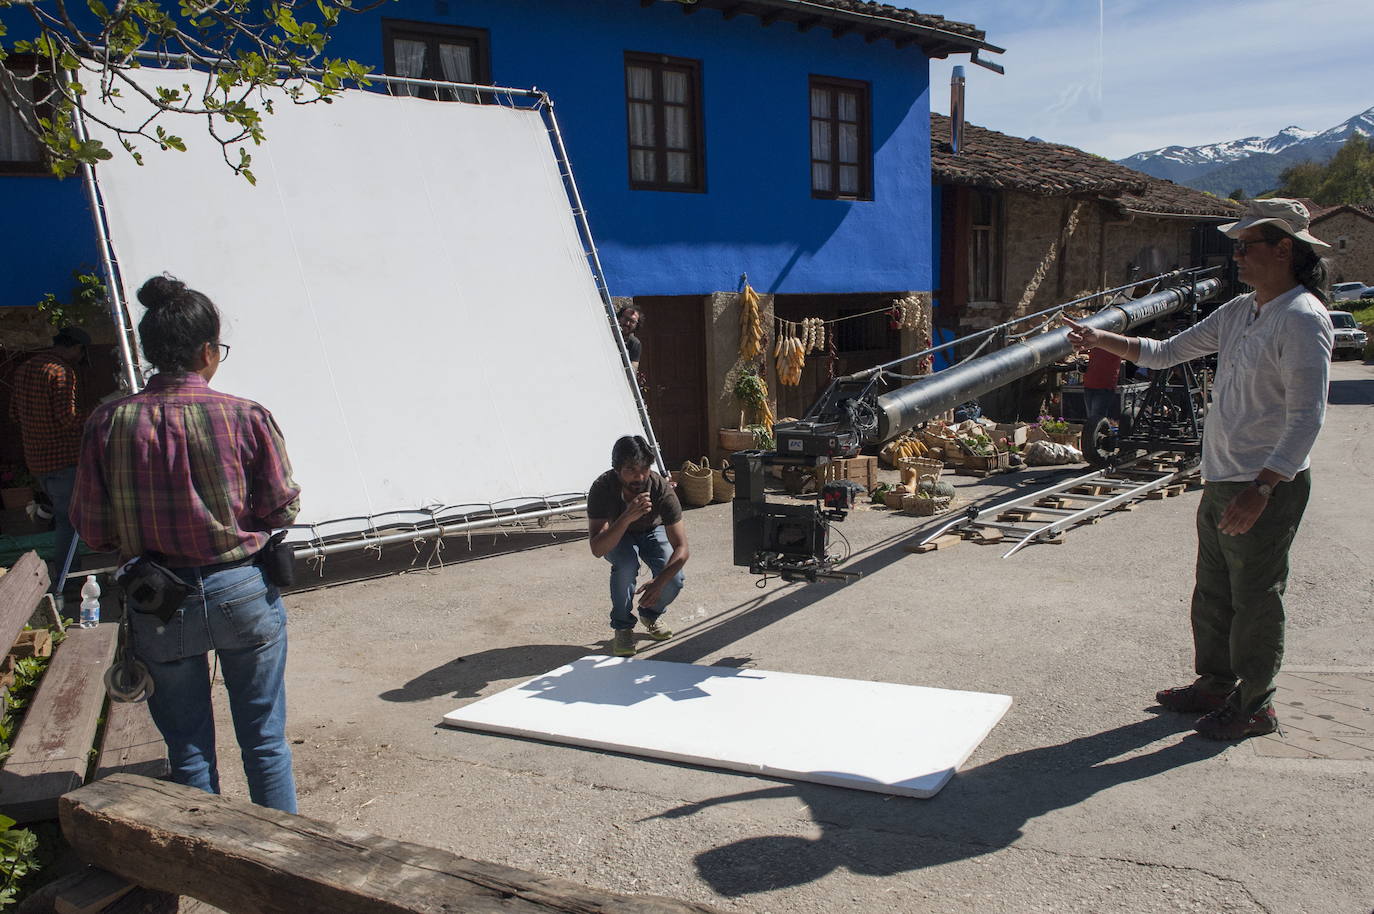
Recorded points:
751,392
1060,430
16,488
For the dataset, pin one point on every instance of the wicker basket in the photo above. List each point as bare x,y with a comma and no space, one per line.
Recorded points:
923,466
924,506
721,491
733,439
694,487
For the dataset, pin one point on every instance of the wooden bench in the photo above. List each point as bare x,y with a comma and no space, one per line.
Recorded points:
247,859
51,753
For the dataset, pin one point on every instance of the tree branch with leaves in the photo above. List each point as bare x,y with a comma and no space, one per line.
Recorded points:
246,47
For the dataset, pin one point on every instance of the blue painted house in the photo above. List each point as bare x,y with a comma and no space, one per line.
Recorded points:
788,140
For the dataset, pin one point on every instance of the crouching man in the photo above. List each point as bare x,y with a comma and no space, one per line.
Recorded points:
634,516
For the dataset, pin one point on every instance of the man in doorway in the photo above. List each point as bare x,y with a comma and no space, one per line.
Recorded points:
1273,350
630,318
634,516
44,405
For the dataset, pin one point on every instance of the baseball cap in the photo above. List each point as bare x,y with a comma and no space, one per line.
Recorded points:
1289,216
71,336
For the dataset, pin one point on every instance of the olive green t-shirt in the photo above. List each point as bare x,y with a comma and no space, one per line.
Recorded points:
604,502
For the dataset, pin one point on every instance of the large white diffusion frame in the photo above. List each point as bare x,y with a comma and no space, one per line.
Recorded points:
405,288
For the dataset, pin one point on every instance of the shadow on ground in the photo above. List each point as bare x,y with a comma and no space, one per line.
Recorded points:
1351,393
981,811
466,677
425,557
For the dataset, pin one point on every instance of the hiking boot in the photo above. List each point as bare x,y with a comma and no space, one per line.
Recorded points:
1190,699
623,643
656,632
1230,724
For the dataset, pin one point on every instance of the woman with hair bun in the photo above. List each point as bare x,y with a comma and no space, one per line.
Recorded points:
197,480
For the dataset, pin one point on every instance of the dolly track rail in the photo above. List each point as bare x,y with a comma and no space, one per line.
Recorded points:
1127,484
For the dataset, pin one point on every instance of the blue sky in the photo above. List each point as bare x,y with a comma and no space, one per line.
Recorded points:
1151,73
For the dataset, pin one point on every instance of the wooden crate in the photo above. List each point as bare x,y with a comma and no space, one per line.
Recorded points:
50,753
863,470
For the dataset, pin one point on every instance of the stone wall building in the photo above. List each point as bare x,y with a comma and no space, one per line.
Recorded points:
1025,225
1350,232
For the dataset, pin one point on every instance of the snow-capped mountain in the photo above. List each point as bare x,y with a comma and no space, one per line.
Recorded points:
1253,163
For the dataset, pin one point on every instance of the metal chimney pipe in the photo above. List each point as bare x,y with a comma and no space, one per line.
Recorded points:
925,399
956,110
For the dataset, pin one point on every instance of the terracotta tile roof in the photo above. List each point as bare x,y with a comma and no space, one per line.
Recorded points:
936,35
887,11
1318,212
996,160
1179,200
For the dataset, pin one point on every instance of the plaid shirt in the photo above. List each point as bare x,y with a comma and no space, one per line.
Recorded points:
44,405
179,469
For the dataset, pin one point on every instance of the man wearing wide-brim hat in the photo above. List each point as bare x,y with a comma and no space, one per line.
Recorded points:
1273,349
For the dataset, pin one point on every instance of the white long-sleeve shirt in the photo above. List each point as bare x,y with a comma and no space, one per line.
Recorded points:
1269,395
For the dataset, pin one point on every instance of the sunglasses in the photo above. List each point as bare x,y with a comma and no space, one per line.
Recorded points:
1240,247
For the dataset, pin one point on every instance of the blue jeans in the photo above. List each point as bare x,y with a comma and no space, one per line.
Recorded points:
1101,403
652,548
58,486
236,613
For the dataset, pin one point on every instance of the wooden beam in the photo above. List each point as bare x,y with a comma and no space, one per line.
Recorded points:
768,19
92,893
806,25
20,590
51,753
840,31
243,858
131,742
731,12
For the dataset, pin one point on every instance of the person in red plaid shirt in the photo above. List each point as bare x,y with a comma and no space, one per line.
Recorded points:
45,407
197,480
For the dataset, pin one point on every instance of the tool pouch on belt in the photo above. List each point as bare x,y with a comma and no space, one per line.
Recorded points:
278,560
152,588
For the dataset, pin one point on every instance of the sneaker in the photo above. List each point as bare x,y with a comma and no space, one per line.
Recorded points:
1190,699
623,643
1229,723
656,632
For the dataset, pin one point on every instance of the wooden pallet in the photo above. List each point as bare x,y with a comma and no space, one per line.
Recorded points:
51,753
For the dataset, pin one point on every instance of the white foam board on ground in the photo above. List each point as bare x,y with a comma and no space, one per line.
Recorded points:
878,736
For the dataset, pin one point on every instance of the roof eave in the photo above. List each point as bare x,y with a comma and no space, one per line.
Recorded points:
805,14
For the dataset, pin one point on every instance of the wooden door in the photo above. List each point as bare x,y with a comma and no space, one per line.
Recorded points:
672,364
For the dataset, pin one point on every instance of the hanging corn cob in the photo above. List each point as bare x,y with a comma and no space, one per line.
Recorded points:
750,324
791,361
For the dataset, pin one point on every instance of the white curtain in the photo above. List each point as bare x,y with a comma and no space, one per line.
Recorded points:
639,83
410,61
677,127
15,144
456,62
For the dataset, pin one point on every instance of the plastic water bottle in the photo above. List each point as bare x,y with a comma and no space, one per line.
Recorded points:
90,603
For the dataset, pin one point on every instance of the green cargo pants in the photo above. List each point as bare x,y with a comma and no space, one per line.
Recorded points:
1237,606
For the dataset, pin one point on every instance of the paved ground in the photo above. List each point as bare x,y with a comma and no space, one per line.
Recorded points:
1084,798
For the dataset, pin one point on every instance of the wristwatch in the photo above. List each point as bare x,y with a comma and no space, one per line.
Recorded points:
1265,488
